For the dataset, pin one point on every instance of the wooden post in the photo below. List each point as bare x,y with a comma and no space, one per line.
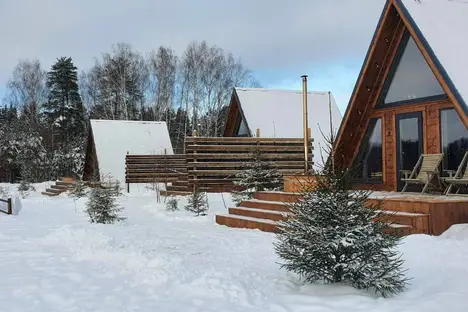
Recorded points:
305,123
257,134
10,207
166,170
128,184
195,182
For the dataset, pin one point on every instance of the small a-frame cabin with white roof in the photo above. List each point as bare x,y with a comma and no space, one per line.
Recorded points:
109,141
411,95
279,114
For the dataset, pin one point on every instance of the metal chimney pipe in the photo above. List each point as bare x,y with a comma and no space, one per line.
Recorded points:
305,123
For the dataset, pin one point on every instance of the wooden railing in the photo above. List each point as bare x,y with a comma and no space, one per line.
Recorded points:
9,209
213,162
154,168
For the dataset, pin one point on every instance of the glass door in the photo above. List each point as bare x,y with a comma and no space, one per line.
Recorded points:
409,139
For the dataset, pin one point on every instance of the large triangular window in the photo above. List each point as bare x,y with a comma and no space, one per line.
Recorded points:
410,78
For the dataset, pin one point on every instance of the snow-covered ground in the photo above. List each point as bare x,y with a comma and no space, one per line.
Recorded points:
53,259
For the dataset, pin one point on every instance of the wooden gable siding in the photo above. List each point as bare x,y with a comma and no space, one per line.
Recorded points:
369,86
91,167
234,117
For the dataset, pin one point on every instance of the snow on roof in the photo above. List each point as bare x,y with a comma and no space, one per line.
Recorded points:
278,114
444,24
114,138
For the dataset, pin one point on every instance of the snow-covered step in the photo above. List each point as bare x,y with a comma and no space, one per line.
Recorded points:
266,205
235,221
54,191
59,187
277,196
418,221
399,229
258,213
50,194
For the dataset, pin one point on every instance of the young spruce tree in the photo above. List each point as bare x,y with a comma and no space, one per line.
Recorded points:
102,206
332,236
172,204
197,203
257,176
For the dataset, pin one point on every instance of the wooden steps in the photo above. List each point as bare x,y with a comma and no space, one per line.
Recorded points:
246,222
60,186
267,208
258,213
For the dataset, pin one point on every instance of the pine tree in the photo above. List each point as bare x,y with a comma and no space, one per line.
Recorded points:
64,109
197,203
332,236
171,204
102,206
64,114
257,176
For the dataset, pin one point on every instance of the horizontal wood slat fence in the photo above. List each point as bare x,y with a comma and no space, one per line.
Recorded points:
211,162
154,168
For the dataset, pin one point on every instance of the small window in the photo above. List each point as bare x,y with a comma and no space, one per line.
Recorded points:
454,138
242,131
369,160
410,78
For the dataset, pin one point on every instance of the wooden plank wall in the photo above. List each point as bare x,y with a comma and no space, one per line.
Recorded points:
214,161
155,168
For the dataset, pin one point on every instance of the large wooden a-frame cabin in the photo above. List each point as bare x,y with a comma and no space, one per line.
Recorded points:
411,95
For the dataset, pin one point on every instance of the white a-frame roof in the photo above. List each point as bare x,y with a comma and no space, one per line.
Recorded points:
114,138
279,114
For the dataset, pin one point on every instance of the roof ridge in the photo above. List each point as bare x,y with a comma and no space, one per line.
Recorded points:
280,90
129,121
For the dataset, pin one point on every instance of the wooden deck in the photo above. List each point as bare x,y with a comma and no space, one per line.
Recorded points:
442,211
406,213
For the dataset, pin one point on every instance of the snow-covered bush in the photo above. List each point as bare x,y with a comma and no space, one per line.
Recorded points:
25,188
67,160
102,206
332,236
78,190
257,175
172,204
197,203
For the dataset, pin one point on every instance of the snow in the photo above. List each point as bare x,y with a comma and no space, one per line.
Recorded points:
457,231
114,138
446,36
53,259
416,196
278,114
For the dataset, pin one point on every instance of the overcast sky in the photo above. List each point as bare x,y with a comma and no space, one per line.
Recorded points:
278,40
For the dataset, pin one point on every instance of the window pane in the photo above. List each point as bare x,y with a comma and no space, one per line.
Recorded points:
454,138
413,78
242,129
369,159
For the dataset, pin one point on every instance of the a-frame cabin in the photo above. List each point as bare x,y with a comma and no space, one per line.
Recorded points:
411,95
